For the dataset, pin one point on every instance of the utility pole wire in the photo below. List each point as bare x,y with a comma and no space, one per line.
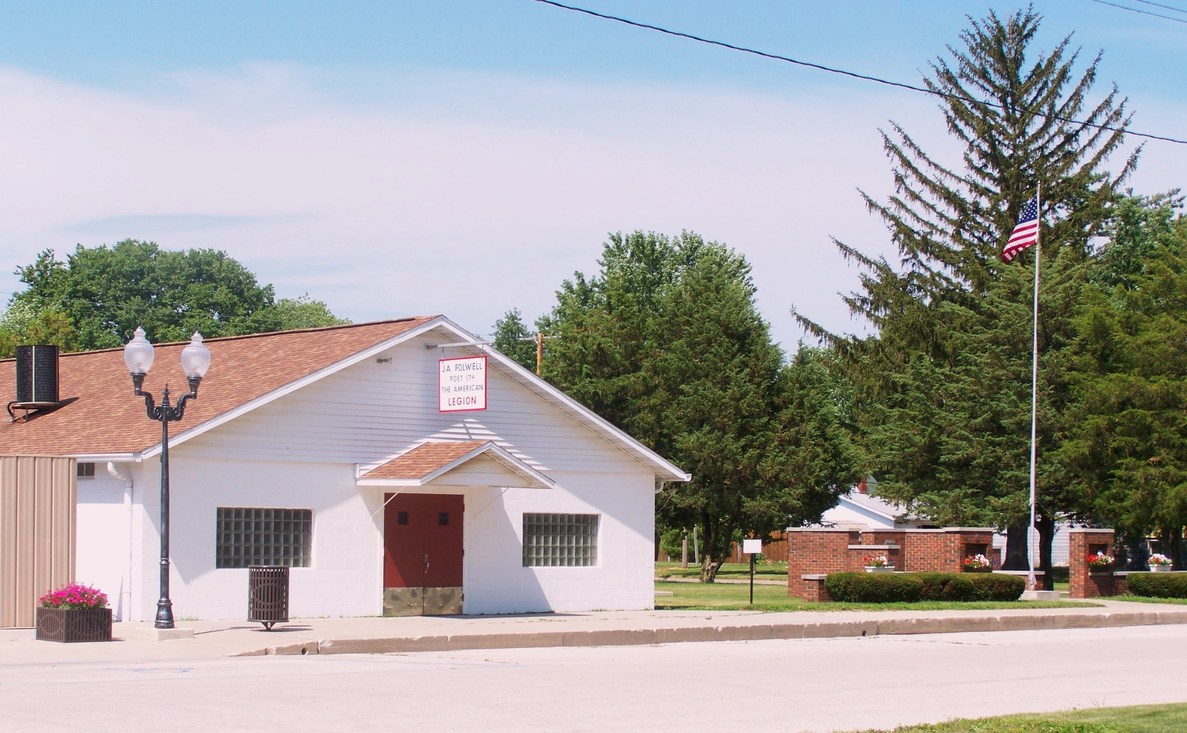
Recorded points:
1143,12
843,72
1160,5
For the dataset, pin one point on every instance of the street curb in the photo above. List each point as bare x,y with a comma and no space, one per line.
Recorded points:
746,632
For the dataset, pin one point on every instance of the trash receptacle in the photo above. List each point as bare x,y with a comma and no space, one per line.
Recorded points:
268,595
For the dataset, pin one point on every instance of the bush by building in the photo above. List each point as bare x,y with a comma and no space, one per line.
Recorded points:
912,587
1158,585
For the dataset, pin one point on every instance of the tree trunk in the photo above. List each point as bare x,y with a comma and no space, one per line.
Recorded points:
1016,547
709,567
1046,526
1172,546
1137,552
712,556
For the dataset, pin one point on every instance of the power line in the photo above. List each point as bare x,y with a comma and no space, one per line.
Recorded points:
1144,12
1160,5
843,72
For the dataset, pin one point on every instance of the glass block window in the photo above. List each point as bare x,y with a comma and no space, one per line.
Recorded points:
247,536
560,540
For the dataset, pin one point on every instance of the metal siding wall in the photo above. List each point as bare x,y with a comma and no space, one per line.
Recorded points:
8,525
38,499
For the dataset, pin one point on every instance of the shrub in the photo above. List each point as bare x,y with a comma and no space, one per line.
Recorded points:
996,587
1158,585
873,587
671,542
946,587
911,587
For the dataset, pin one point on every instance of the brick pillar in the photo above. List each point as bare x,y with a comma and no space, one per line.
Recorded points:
813,551
973,541
814,591
1082,582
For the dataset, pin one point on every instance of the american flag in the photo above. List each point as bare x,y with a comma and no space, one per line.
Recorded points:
1026,232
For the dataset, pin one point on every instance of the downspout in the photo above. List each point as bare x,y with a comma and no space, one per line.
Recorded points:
126,591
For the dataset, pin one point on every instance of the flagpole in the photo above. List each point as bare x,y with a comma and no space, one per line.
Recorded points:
1034,390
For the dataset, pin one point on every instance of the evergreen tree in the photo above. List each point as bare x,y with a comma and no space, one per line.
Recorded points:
1127,445
942,387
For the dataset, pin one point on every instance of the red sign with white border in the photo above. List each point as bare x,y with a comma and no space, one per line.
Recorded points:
461,384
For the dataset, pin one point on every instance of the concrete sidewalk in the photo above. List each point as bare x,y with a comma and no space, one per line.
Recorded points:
140,642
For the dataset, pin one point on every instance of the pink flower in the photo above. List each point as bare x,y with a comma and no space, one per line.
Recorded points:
74,595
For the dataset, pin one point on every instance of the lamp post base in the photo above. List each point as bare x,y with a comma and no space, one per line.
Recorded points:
164,614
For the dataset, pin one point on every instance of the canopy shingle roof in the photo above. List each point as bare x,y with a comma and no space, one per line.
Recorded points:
425,459
102,415
428,461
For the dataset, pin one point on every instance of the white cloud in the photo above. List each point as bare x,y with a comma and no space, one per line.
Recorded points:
461,194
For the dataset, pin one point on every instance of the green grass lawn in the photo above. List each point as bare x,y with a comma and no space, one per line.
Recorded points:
736,597
1143,719
733,596
1149,599
729,570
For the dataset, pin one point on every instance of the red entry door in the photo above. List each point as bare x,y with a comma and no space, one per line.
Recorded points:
422,537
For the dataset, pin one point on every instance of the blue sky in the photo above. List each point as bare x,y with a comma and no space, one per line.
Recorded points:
463,157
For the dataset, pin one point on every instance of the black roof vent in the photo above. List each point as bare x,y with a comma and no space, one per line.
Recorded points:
36,379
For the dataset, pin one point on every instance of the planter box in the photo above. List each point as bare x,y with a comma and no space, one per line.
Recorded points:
74,624
885,569
1161,568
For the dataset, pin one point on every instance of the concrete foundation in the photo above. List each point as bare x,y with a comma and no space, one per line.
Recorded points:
422,601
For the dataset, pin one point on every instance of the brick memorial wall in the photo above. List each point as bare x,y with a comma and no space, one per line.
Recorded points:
814,553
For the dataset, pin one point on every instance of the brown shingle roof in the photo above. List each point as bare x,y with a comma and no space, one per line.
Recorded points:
430,461
105,417
425,459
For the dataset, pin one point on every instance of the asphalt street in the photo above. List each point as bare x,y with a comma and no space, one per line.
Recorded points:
796,685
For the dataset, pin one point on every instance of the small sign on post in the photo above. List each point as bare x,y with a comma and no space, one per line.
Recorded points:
753,548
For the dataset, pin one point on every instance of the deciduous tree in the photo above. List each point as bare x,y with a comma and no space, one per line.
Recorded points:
104,293
666,342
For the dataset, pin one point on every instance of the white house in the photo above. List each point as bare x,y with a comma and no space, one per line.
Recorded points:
861,509
396,467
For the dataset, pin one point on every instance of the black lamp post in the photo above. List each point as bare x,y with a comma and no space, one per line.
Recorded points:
195,360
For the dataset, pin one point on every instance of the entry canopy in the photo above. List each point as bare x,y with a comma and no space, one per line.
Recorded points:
455,463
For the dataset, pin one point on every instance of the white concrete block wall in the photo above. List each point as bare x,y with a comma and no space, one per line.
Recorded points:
497,582
346,574
102,557
346,555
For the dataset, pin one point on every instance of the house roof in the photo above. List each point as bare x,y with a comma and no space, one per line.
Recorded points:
429,461
871,503
873,506
102,415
